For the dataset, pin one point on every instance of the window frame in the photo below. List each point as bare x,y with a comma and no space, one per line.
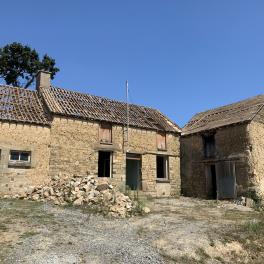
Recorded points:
164,135
19,162
165,168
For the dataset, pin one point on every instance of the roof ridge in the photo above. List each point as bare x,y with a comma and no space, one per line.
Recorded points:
228,105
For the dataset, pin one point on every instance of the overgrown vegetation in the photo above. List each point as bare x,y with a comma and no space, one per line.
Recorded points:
252,194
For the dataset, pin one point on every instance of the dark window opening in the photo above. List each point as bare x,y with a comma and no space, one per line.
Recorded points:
213,178
209,146
104,164
162,167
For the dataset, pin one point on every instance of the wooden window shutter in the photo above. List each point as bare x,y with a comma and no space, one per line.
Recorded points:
106,133
161,140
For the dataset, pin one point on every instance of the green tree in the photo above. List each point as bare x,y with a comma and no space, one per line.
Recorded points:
19,64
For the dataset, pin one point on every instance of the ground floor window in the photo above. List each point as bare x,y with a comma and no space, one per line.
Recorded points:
162,167
23,156
104,164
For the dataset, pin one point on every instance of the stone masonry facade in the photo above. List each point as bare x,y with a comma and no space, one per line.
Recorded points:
70,147
241,144
32,138
55,132
75,145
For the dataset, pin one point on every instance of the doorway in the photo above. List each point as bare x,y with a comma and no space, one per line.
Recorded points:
133,172
226,179
211,182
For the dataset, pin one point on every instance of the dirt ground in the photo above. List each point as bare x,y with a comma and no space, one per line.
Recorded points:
183,230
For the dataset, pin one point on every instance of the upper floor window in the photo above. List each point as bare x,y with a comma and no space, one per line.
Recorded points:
209,146
161,141
105,133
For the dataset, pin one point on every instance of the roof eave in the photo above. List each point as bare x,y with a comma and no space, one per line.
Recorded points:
213,128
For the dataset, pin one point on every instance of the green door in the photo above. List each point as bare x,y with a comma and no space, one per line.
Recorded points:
133,172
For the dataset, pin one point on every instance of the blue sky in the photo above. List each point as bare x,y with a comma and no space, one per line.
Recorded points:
180,56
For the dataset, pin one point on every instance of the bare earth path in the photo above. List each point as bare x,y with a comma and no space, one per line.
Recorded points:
181,230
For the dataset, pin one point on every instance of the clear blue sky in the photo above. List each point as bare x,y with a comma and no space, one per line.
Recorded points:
180,56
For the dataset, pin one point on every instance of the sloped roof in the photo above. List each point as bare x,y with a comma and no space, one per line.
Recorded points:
80,105
242,111
21,105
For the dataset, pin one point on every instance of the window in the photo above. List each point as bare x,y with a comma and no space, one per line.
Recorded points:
162,167
209,146
161,141
105,133
104,164
19,156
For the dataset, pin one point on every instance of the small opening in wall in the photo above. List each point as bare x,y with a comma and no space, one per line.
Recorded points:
209,146
104,164
162,167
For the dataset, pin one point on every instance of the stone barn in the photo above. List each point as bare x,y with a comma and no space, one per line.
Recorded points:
57,132
222,151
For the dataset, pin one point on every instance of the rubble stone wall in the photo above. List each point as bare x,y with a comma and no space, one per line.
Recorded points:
23,137
256,154
231,143
75,145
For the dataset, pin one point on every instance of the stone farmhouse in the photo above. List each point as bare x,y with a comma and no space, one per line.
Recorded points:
56,132
222,151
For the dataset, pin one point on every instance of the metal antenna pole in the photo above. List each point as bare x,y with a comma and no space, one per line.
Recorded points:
127,113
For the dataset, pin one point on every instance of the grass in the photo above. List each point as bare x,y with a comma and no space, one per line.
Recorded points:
254,227
250,235
29,234
3,227
202,257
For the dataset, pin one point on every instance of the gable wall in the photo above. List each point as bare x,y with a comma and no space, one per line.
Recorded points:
256,154
26,138
231,144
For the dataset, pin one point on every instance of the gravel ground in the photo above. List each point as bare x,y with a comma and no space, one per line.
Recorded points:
181,230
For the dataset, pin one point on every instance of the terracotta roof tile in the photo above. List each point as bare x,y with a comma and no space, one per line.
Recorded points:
80,105
242,111
21,105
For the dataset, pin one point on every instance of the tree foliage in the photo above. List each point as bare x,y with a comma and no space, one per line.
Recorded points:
19,64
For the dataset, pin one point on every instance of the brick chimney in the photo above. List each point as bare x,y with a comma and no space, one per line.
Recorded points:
42,80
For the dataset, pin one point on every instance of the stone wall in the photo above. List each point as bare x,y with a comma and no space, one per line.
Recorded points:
256,154
75,145
231,143
35,139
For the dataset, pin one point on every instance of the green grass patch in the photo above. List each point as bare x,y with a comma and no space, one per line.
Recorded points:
29,234
3,227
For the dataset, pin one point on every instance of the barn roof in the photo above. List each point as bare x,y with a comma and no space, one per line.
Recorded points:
85,106
242,111
21,105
